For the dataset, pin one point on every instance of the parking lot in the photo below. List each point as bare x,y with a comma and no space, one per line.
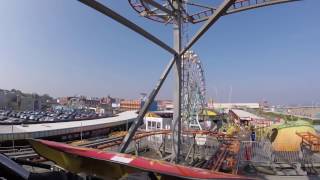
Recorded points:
30,117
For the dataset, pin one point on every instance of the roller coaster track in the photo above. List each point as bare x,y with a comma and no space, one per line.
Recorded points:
27,153
143,134
225,156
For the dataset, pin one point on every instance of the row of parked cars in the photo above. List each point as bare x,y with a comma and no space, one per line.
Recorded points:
8,116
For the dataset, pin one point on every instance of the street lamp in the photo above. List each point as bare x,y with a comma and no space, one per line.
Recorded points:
12,136
81,131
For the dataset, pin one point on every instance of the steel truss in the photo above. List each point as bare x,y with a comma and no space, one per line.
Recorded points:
173,11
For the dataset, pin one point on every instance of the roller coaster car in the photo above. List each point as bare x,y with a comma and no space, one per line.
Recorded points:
111,165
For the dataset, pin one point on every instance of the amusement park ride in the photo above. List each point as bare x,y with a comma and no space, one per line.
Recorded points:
188,96
189,92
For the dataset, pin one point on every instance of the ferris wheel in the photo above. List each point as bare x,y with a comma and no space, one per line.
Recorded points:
193,90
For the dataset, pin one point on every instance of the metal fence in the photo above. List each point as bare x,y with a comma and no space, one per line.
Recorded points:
255,151
262,153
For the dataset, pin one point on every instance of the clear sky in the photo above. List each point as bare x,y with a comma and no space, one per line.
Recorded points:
65,48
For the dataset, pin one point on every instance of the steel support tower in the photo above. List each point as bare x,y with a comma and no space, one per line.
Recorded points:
176,13
177,96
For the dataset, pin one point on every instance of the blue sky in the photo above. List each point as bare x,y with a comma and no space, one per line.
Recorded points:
66,48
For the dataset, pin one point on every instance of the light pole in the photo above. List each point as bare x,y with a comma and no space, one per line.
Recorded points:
127,125
12,136
81,131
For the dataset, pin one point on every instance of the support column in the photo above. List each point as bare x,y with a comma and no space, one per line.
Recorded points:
176,123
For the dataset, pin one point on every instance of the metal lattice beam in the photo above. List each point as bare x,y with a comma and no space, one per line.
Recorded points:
248,5
203,12
258,5
159,6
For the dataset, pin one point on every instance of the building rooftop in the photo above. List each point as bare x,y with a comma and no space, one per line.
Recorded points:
64,125
245,115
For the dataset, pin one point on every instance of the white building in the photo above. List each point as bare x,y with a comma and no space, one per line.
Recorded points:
158,120
243,117
213,105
